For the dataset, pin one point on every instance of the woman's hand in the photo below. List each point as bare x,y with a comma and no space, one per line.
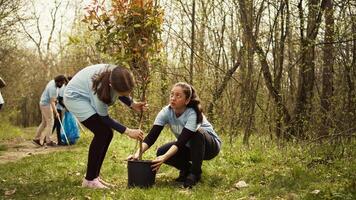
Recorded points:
158,162
139,106
134,133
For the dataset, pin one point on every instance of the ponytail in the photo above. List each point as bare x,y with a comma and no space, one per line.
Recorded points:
101,85
197,108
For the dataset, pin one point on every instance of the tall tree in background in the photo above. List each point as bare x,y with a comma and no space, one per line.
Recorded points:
192,45
9,12
306,78
327,71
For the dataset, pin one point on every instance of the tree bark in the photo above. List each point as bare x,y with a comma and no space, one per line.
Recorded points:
306,77
192,45
327,74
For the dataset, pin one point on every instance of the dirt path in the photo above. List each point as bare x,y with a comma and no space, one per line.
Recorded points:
19,148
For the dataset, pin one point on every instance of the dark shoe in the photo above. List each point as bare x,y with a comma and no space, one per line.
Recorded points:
37,142
51,144
182,176
191,180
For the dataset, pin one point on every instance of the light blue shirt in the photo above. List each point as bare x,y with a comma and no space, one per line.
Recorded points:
79,96
61,94
188,120
49,92
1,99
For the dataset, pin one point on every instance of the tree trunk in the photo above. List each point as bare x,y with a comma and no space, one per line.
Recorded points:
264,64
350,117
192,45
280,46
306,77
217,94
327,74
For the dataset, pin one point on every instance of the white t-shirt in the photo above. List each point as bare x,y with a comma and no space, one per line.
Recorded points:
79,96
49,92
187,120
1,99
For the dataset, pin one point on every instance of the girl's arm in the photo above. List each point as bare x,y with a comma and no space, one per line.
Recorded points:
126,100
137,106
113,123
152,136
132,133
149,140
183,138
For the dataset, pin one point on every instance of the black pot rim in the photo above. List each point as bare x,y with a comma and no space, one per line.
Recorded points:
140,161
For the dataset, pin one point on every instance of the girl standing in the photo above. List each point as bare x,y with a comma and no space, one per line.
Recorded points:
88,96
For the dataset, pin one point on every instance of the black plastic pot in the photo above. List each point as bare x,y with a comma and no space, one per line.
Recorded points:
140,173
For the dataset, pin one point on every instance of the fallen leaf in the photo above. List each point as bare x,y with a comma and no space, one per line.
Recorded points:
315,192
184,191
241,184
10,192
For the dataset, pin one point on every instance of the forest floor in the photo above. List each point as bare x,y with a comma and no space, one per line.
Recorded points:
262,171
21,146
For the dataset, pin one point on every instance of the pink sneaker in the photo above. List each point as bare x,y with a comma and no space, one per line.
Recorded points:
105,183
93,184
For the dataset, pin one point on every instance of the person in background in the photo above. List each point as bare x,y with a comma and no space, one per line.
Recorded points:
48,107
2,85
88,97
196,138
60,110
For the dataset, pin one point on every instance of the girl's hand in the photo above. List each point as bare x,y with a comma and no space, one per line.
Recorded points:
139,106
157,163
134,133
133,156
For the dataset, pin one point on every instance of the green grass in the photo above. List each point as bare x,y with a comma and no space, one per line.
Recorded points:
290,172
8,131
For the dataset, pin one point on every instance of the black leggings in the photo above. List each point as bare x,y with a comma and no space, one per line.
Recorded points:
202,147
99,145
57,126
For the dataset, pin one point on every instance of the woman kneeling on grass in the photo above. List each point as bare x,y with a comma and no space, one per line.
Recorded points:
88,96
196,138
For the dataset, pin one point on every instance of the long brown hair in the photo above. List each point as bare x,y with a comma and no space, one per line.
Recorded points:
120,79
194,102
